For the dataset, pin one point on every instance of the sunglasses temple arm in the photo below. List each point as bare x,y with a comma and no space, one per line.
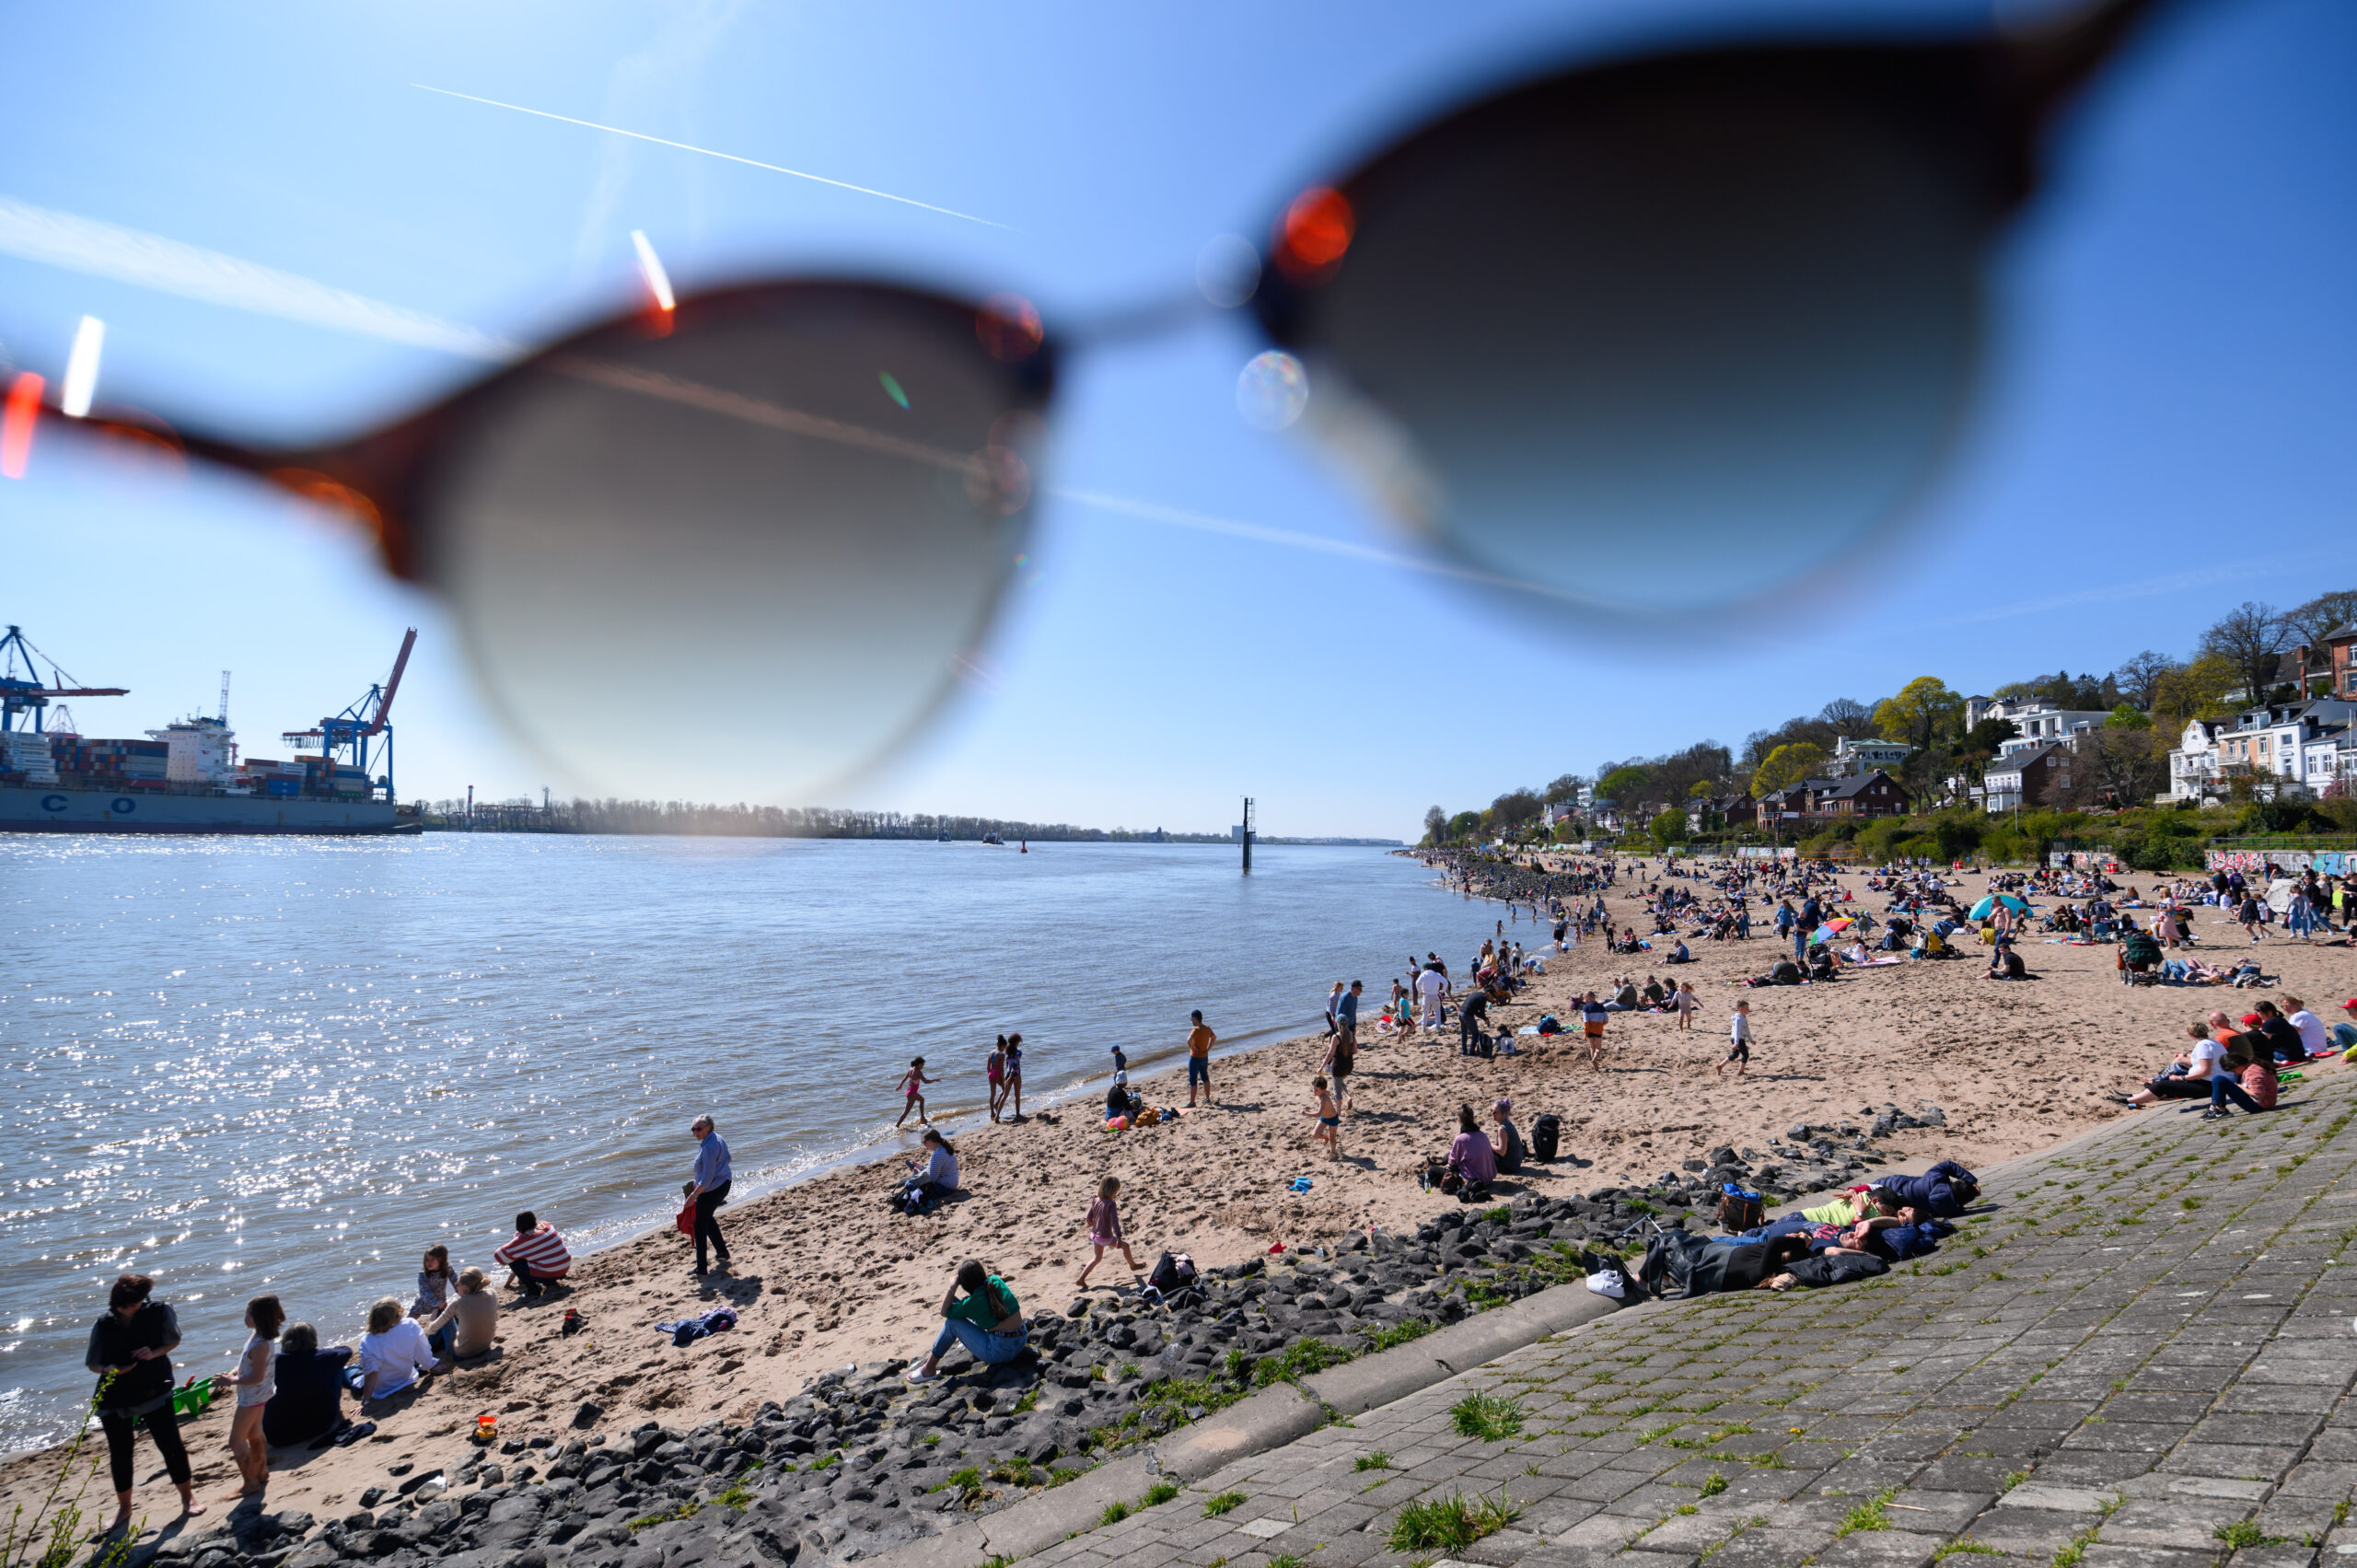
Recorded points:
341,479
1156,319
2053,62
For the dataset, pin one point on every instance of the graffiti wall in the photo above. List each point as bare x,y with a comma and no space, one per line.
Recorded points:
2325,862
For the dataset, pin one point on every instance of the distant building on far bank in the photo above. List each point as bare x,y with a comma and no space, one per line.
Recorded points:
1863,755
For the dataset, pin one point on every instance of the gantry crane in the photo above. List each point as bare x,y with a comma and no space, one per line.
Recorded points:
348,733
26,695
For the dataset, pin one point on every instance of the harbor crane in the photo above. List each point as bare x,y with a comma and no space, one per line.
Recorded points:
345,738
23,695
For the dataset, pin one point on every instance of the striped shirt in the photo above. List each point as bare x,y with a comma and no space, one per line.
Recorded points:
543,1250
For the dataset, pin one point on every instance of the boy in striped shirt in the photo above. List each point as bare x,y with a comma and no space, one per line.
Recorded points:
536,1256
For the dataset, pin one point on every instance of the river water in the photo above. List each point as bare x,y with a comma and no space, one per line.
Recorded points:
242,1065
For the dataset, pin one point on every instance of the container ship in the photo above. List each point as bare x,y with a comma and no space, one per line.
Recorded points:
188,777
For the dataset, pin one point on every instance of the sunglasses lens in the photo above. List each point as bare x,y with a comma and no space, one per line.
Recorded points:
743,558
1589,340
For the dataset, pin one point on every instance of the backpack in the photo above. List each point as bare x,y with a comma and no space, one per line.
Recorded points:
1738,1210
1835,1268
1168,1272
1546,1136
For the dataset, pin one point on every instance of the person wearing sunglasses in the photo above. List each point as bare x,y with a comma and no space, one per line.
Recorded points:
1702,293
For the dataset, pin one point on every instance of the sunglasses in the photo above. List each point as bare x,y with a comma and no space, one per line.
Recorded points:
1725,302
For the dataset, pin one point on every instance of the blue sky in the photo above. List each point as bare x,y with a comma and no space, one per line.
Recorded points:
2164,430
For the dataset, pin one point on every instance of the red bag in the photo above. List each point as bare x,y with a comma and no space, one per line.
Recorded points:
687,1220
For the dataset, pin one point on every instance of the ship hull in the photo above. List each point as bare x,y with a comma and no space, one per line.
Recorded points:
36,808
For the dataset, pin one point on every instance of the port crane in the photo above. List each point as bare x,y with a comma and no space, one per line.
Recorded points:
348,734
23,695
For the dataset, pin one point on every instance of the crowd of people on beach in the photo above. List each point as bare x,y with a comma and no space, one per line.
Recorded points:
289,1389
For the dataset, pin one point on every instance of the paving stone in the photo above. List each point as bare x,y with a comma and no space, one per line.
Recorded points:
1880,1549
2055,1499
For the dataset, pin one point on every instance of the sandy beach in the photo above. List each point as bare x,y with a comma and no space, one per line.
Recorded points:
826,1273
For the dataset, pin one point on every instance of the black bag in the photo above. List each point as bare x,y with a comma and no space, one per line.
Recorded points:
1835,1268
1738,1211
1434,1169
1546,1137
1165,1276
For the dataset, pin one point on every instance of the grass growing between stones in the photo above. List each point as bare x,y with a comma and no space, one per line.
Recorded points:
1222,1504
1486,1416
1161,1492
2243,1533
1450,1523
1869,1514
1377,1460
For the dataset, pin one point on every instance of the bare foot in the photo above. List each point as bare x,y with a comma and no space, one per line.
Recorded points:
191,1507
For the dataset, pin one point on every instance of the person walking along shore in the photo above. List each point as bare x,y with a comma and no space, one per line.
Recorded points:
714,1177
1199,1042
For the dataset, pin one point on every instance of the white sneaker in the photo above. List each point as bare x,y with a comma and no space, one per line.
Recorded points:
917,1374
1608,1283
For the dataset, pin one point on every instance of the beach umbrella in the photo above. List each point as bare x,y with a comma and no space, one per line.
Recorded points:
1981,911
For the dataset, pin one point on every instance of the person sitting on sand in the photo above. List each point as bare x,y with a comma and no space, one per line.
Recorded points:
1507,1142
2007,964
1105,1230
937,1179
2188,1076
1653,995
981,1313
535,1256
393,1353
468,1326
1680,955
1472,1161
309,1401
1119,1102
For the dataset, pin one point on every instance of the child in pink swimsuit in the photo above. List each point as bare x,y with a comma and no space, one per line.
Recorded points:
1105,1230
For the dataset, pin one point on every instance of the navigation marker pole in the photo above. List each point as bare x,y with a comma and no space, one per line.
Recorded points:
1247,835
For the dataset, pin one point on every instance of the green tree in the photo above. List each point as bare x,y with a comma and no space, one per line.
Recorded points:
1785,766
1701,789
2128,716
1464,825
2196,691
1922,708
1436,825
1668,828
1564,790
1623,783
1514,808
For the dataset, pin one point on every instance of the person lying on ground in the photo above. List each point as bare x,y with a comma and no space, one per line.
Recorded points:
981,1313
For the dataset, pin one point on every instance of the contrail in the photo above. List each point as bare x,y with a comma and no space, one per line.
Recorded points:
731,157
150,261
1201,522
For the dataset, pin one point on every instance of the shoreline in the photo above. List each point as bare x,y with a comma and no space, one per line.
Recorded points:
826,1273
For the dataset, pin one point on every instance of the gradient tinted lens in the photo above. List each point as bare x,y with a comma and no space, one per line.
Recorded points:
1648,346
746,559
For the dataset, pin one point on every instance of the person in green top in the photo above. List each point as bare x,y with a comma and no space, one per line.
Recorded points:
981,1313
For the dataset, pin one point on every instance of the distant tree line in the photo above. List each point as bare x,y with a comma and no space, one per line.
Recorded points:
2242,659
741,820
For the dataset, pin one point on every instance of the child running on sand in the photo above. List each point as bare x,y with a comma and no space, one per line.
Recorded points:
912,1084
1105,1230
1688,1004
1329,1120
1740,1041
